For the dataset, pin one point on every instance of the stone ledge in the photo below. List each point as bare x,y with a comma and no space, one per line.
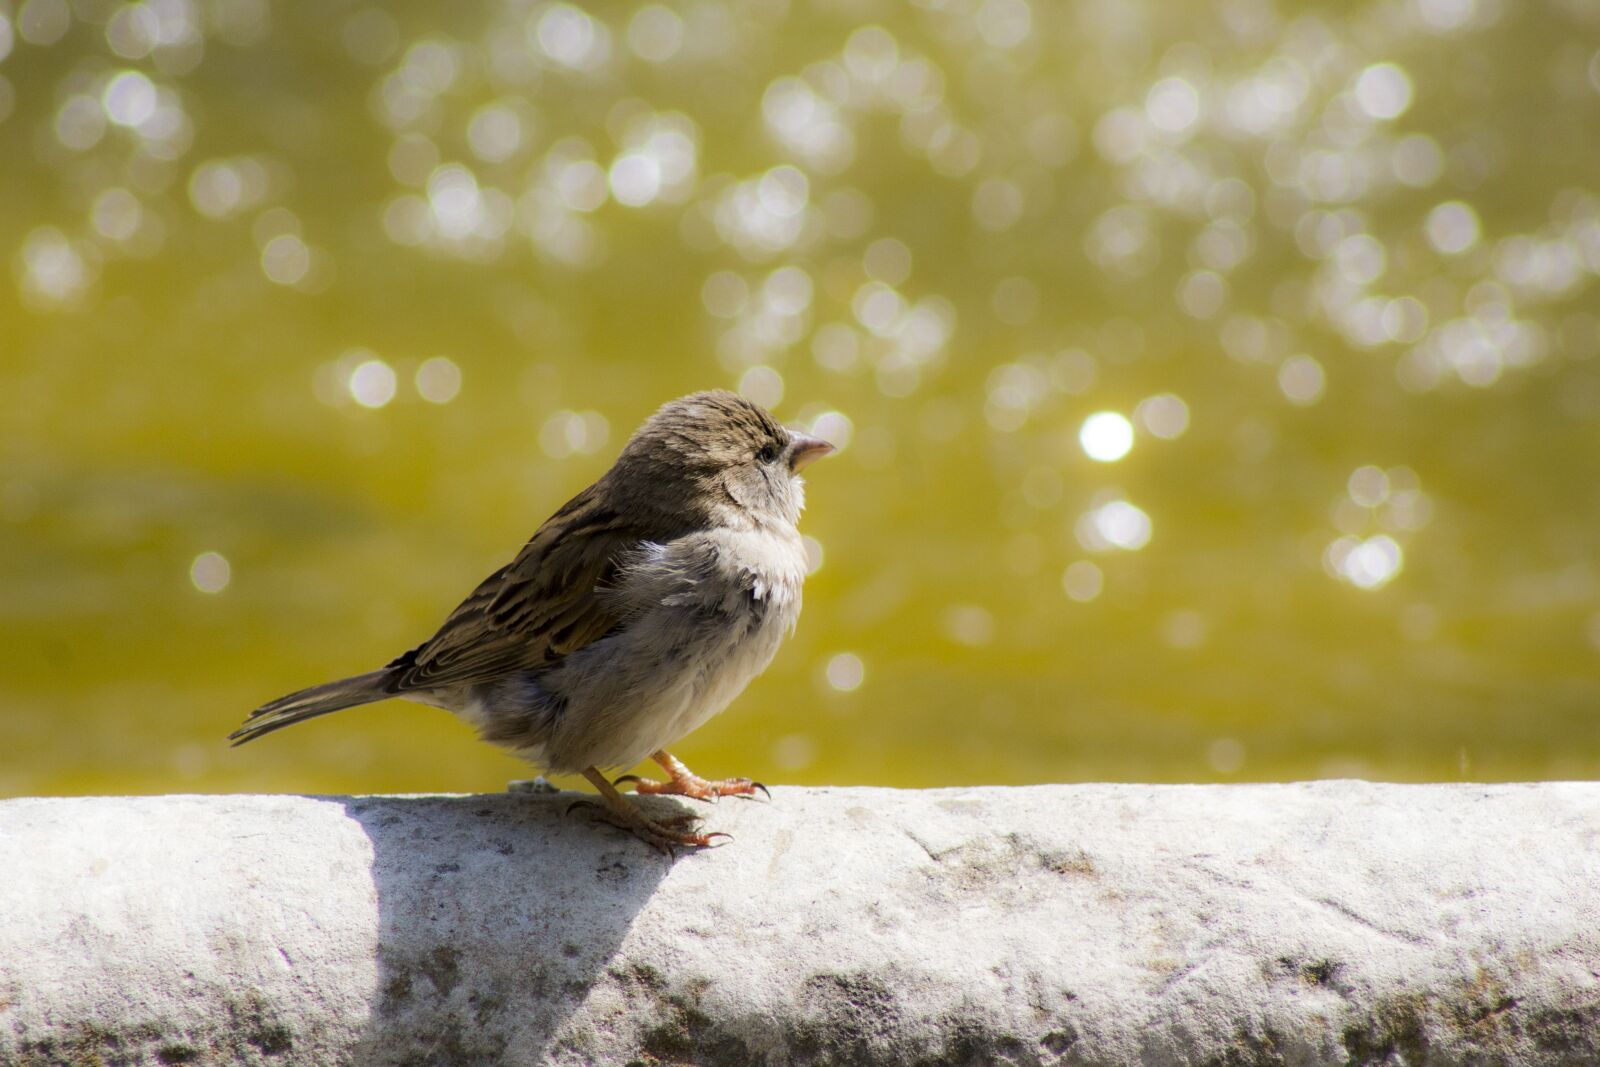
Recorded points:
1322,923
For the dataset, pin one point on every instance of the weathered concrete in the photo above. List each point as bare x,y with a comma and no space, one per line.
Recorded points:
1325,923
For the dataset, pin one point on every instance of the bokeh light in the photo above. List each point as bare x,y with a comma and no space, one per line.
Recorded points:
438,380
1214,387
1082,581
210,572
373,383
1106,436
845,672
1116,524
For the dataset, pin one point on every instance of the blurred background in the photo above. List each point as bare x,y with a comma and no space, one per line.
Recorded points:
1217,386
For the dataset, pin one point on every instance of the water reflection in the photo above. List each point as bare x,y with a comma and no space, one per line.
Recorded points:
1106,436
1179,361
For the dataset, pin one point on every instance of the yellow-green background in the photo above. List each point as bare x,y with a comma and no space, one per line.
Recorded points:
1059,173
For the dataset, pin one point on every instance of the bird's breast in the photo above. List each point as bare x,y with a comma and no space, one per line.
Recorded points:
704,614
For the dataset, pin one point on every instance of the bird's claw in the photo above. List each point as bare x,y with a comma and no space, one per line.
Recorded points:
696,788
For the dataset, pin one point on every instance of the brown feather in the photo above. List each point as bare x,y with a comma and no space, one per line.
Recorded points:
532,612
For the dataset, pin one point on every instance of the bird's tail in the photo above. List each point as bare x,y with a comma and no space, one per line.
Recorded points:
309,703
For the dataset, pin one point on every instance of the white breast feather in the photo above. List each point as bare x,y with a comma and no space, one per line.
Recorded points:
693,639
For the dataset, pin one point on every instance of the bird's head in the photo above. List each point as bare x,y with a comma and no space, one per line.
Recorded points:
717,450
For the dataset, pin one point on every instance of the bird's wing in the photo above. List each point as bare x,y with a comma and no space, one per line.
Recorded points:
535,610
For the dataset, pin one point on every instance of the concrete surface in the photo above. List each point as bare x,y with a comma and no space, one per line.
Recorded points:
1325,923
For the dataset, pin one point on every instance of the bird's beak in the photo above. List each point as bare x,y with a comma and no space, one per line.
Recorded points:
806,449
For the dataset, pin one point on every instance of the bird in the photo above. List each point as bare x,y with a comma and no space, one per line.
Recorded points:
633,615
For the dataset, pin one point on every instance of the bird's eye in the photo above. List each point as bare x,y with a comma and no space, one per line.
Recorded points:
768,453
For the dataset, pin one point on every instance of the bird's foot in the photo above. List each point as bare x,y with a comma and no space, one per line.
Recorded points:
665,834
682,782
694,786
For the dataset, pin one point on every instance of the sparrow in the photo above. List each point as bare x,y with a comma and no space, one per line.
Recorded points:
638,611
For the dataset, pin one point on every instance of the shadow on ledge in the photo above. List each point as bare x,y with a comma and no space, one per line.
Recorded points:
497,914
